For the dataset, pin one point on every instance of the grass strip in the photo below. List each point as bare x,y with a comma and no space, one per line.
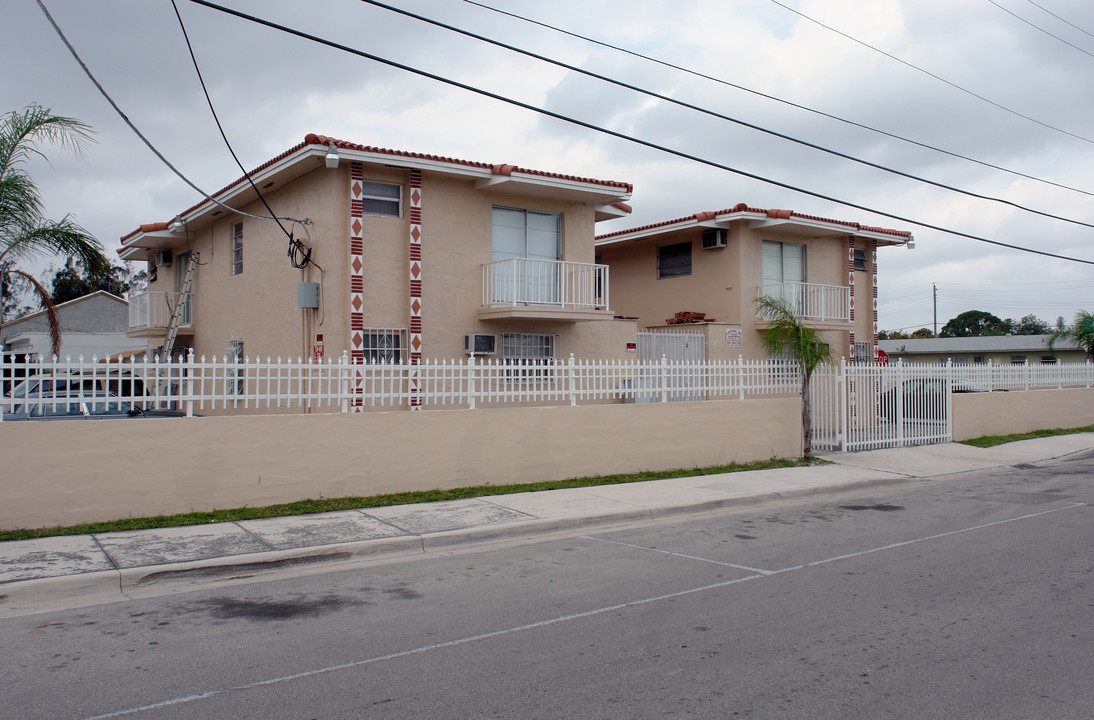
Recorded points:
993,440
309,506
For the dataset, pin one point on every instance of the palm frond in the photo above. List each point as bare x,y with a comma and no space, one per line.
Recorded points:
47,305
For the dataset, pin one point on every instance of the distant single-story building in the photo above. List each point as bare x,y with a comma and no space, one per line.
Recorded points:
92,325
998,349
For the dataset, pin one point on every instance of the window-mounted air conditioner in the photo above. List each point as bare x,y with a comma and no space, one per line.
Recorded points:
480,344
715,238
163,258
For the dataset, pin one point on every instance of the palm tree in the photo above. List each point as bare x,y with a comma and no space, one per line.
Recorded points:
1081,331
25,232
787,335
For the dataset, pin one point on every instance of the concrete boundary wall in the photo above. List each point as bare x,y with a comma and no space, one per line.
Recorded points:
64,473
1003,413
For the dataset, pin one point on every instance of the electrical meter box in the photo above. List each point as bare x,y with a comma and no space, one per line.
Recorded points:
307,295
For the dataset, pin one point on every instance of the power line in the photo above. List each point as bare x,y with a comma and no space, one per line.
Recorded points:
1042,7
1038,27
619,135
931,74
133,127
299,257
778,99
712,113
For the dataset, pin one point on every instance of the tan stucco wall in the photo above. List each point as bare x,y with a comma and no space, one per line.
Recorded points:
259,306
723,284
223,462
1003,413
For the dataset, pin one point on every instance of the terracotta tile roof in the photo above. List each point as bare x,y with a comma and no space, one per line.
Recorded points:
325,141
497,169
744,209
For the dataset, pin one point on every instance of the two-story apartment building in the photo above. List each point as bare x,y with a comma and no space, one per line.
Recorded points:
394,256
716,264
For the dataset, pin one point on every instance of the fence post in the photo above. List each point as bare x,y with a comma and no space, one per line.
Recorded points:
898,396
741,376
1028,372
664,378
843,393
186,388
570,381
471,381
991,375
948,400
1089,371
343,381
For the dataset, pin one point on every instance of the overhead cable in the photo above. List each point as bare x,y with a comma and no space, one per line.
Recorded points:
614,133
1042,7
136,131
1038,27
299,256
777,99
931,74
720,116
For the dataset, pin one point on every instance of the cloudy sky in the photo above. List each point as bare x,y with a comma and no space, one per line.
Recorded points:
271,89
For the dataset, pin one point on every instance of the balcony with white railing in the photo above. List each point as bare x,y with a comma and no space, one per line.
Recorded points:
823,304
544,289
150,312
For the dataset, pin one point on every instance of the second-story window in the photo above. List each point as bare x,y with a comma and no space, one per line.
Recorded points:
237,248
381,199
860,260
783,263
674,260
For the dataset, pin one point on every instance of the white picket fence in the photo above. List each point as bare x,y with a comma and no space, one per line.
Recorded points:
868,407
195,386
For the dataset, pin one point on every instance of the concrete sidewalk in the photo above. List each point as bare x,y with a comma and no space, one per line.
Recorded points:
37,575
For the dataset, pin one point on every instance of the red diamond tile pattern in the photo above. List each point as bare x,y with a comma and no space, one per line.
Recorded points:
415,287
356,278
873,281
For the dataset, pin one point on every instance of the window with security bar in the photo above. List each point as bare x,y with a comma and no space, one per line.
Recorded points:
384,345
233,375
531,357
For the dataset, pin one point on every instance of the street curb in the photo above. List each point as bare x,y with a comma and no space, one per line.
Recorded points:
26,597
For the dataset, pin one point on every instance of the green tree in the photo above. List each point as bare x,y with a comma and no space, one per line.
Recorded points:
974,323
1029,325
892,335
1081,331
922,334
787,335
25,232
74,281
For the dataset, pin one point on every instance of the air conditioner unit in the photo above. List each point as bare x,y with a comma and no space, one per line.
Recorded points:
163,258
480,344
714,238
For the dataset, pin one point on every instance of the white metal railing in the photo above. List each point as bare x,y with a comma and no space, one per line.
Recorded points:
197,385
812,301
854,406
154,309
867,407
526,281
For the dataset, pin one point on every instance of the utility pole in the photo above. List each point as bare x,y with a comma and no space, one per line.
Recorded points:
934,290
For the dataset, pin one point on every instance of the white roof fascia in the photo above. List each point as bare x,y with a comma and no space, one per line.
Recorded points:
617,194
648,232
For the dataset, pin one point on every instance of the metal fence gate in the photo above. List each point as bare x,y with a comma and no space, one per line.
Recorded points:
676,347
868,407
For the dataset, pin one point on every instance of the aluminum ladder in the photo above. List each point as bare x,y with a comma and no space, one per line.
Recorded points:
176,314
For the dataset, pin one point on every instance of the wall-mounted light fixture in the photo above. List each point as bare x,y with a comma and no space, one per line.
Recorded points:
332,156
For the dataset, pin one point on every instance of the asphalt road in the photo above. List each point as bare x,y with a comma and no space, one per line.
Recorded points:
967,596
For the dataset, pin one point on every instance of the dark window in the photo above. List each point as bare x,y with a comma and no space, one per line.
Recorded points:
237,249
381,199
674,260
860,260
